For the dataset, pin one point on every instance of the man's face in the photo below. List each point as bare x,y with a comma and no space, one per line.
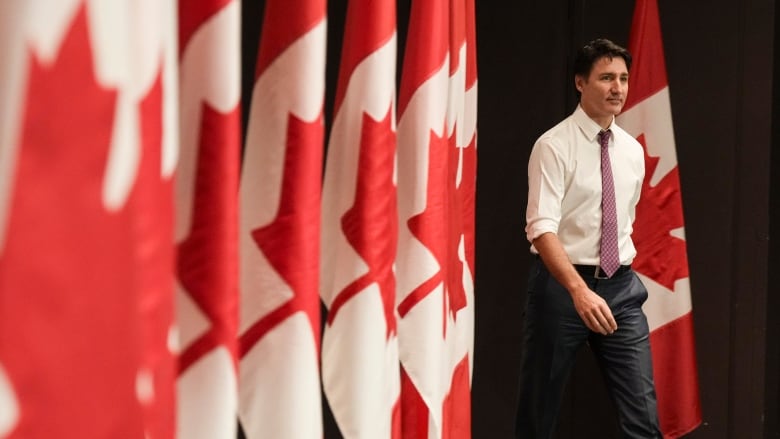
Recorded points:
604,91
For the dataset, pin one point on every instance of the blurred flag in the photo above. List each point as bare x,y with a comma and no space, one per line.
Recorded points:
207,217
279,391
88,150
659,229
437,172
360,369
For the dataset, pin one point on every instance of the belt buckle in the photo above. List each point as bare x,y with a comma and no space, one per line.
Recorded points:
597,271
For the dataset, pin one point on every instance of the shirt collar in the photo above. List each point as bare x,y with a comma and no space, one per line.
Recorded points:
588,126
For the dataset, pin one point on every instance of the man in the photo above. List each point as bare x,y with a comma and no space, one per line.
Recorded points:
584,178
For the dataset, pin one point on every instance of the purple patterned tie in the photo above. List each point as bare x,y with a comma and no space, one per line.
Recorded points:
610,256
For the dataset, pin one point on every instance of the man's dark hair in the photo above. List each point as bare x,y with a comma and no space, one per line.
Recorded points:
594,51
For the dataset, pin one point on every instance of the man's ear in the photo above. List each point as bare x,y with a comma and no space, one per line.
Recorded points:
578,82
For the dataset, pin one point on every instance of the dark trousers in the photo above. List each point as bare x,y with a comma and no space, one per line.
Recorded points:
554,332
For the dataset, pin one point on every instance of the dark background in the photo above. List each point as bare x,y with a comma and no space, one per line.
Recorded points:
722,66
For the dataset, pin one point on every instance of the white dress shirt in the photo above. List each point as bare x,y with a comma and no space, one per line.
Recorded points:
564,187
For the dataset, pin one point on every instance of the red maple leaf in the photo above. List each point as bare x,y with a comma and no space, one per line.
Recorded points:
455,214
660,256
371,224
208,264
467,195
440,227
429,227
74,330
291,241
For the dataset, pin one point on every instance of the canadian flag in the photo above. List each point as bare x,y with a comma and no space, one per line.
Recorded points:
207,217
659,233
279,326
436,176
88,99
360,370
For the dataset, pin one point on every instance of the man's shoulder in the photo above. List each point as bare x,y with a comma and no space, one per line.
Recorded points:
626,140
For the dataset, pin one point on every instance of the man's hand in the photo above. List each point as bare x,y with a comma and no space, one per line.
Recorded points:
594,311
591,307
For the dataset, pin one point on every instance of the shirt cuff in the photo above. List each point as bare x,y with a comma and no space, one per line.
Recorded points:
538,228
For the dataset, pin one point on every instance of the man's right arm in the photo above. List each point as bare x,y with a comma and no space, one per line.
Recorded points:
592,308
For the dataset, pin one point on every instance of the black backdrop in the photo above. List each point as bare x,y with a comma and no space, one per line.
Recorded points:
722,65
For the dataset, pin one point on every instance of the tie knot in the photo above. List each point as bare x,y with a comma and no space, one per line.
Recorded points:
604,138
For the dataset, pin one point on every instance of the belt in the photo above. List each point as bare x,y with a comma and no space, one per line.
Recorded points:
596,272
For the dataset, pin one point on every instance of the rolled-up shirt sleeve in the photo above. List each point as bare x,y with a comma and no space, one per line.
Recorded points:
546,179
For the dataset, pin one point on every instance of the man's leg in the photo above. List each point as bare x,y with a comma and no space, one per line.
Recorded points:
625,357
552,334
